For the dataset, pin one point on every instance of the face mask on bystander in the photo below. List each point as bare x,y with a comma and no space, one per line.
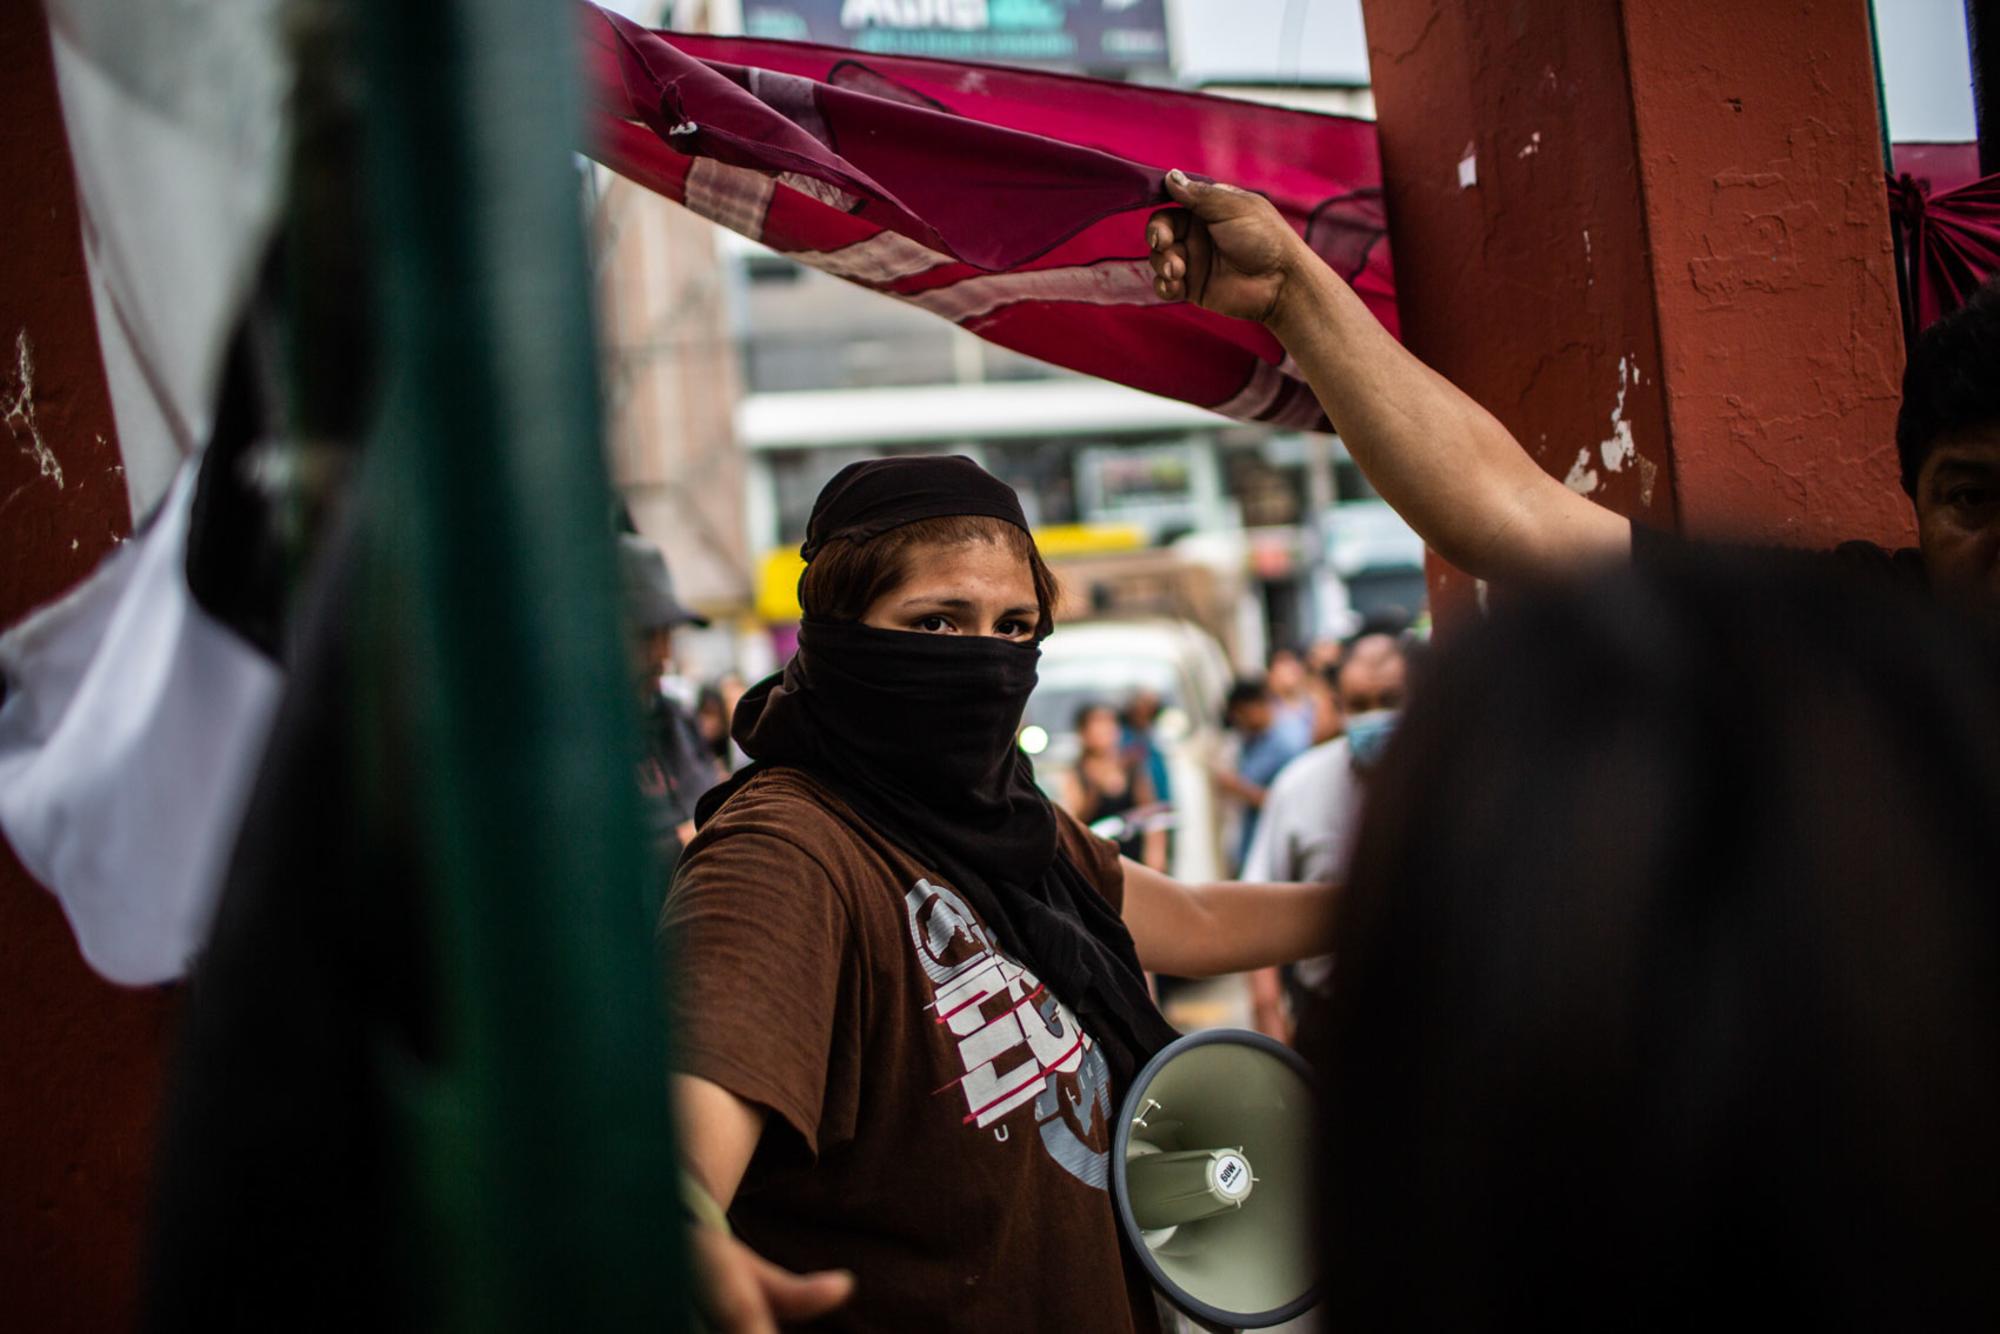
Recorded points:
1368,735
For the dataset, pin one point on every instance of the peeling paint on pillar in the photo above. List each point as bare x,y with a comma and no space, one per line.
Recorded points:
82,1059
17,410
1532,291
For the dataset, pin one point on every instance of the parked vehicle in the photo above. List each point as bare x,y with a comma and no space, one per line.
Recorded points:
1109,662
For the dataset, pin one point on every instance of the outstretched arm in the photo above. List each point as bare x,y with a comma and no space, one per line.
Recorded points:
1441,461
1226,926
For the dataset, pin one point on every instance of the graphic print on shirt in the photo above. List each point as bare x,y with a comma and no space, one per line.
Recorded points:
1018,1043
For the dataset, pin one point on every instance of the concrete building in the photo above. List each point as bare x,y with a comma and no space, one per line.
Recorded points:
671,382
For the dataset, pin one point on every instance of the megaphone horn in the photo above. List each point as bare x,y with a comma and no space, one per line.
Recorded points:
1211,1170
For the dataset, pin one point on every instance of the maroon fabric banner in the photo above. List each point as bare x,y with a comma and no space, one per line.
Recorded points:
1950,219
1937,166
1009,201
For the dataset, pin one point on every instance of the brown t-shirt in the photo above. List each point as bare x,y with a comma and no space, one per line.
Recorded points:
941,1125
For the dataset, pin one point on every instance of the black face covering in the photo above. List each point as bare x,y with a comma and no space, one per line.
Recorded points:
916,733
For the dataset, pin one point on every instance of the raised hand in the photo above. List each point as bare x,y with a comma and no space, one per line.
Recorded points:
1225,249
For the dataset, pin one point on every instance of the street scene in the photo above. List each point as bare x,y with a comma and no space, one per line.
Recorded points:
1059,665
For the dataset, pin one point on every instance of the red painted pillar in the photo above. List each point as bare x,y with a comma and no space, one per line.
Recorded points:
80,1060
1651,236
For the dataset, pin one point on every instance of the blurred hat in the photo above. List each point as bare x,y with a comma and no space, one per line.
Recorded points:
648,589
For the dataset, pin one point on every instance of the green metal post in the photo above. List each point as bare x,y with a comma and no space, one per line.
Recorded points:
491,648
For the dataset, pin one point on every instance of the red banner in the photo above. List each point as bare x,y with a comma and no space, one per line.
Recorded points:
1011,202
1950,219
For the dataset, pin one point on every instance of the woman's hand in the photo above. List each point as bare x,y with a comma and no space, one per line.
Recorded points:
1225,249
740,1292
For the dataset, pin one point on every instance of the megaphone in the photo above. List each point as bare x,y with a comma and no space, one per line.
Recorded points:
1212,1174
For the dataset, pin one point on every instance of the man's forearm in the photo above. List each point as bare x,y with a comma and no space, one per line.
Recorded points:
1439,459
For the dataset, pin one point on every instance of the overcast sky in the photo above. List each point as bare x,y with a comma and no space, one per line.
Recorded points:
1926,69
1924,62
1923,51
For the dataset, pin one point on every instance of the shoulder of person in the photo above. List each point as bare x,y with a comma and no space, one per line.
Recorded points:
1098,858
778,816
1313,766
1311,786
777,797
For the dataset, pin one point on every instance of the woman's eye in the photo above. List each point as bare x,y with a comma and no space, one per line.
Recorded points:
1970,497
934,624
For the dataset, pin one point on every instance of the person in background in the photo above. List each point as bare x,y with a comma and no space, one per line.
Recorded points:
1669,982
711,715
1110,782
1290,687
1372,685
1142,715
1323,689
1324,655
676,765
731,687
1267,742
1312,813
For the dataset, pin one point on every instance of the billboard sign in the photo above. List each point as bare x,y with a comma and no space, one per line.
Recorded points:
1108,35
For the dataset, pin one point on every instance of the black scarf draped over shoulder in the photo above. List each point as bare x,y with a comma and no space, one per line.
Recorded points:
916,733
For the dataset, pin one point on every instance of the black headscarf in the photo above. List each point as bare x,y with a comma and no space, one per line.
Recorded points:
867,499
916,733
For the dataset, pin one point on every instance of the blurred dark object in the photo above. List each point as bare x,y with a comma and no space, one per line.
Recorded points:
1670,976
422,1085
237,564
298,388
284,1183
286,1193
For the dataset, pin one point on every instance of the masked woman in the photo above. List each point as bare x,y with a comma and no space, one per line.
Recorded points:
909,991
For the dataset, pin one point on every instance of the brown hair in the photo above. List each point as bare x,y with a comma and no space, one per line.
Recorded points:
845,576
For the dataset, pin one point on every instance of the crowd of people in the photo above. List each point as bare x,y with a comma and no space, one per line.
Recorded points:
1644,935
1299,741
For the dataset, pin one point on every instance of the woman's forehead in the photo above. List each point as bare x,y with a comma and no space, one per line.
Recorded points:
985,570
